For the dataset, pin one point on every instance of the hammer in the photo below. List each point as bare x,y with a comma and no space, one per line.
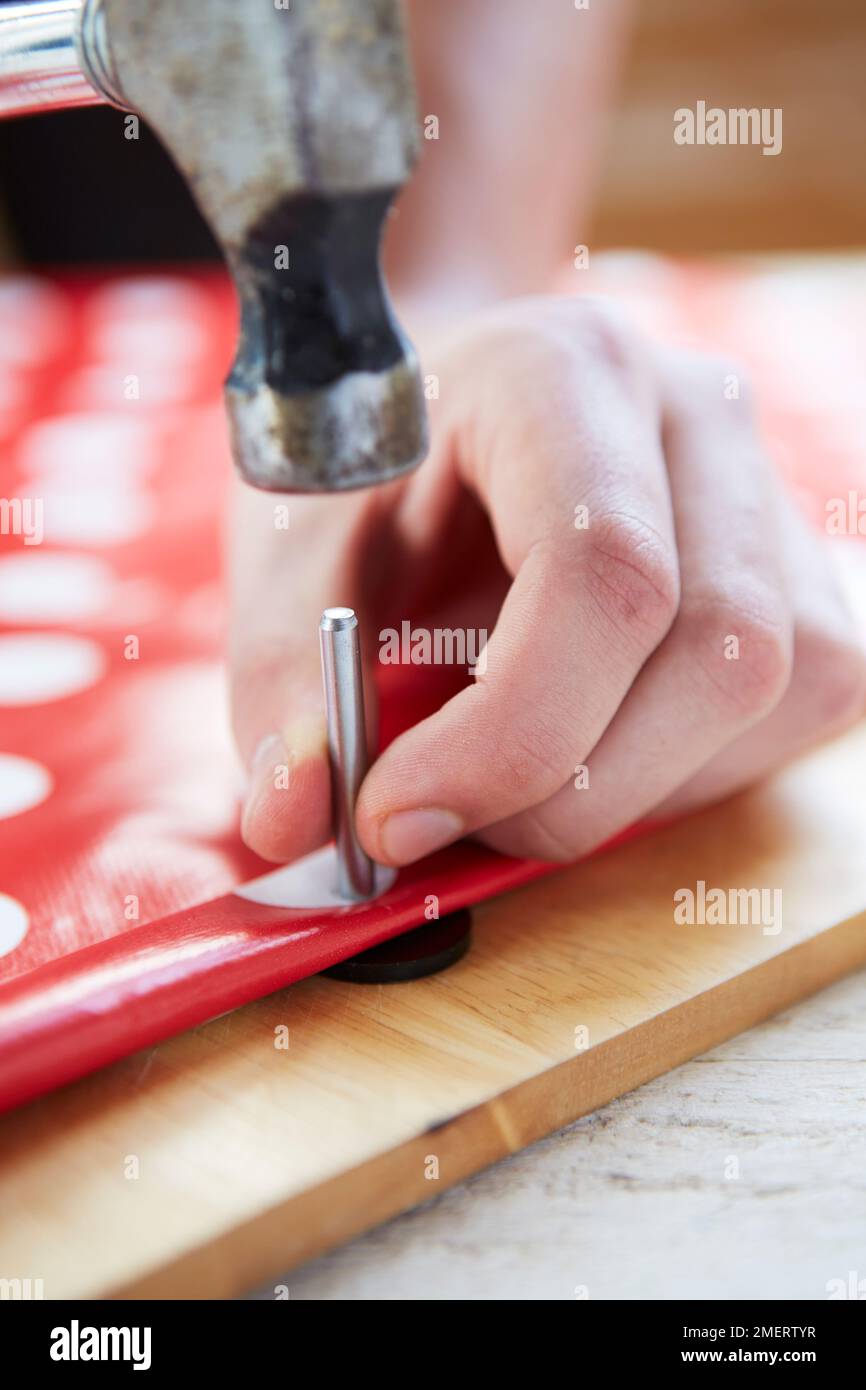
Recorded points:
293,122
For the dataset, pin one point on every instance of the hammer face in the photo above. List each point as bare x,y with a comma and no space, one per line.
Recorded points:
364,428
294,127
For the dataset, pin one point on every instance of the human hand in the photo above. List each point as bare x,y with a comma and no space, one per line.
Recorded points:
678,638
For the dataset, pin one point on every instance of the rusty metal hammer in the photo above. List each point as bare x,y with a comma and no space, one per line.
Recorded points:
294,124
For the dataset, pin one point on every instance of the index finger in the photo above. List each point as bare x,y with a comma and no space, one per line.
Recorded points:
586,609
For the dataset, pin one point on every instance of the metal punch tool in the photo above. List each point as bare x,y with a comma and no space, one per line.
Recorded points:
347,745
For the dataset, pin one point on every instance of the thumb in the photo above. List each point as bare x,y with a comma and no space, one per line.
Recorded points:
280,583
279,726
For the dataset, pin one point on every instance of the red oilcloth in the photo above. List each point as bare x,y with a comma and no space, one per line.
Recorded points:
118,786
80,1011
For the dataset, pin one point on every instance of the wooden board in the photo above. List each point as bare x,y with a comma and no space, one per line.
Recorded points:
578,988
803,58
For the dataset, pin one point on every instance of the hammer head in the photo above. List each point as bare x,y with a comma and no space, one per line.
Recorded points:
294,124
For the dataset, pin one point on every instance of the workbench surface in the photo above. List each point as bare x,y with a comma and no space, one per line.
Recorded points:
633,1201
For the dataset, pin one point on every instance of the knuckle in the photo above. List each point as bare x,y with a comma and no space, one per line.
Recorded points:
596,320
604,336
704,377
533,761
542,840
833,666
530,836
634,574
565,328
529,737
765,664
535,834
743,648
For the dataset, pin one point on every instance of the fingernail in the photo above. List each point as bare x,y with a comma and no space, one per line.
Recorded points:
409,835
269,752
304,738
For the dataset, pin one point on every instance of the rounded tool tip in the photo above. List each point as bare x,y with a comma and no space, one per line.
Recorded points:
338,619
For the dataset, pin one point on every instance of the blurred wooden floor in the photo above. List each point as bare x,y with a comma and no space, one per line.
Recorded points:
809,59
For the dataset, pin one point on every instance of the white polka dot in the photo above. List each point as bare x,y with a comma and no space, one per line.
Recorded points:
89,446
309,882
46,666
13,924
43,308
96,517
148,295
164,341
23,784
41,588
101,387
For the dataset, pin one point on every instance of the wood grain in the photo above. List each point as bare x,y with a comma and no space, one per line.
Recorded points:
253,1158
739,1175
